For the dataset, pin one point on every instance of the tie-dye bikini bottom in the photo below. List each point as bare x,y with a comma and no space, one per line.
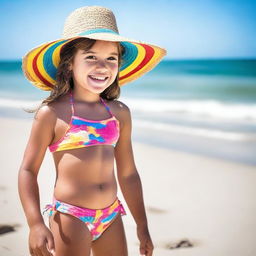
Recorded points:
97,221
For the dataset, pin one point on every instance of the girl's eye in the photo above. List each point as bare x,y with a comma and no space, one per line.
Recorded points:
112,58
91,57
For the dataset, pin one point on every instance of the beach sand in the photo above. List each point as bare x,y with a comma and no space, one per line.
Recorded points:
208,201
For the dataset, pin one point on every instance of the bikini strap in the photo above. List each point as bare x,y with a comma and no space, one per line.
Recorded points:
106,106
71,101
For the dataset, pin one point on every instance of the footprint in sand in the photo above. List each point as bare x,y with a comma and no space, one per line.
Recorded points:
2,188
155,210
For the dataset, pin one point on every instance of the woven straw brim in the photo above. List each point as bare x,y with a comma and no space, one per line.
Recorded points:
40,64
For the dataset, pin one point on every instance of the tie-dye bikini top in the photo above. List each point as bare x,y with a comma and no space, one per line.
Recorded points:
84,132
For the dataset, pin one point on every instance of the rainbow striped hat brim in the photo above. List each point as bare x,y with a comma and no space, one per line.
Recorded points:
40,64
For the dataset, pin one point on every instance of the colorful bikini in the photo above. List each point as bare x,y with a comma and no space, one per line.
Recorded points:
97,221
83,133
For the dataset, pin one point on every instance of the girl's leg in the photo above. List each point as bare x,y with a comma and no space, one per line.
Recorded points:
112,241
71,235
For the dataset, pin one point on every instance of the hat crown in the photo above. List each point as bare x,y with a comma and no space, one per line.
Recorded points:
89,18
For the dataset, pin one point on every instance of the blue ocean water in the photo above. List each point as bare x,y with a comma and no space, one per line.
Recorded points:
191,105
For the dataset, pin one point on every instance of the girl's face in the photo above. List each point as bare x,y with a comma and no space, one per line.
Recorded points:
97,68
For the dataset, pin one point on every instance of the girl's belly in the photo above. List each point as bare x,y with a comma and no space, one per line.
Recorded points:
86,177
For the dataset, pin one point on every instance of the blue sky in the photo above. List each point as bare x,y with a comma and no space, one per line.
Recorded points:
187,29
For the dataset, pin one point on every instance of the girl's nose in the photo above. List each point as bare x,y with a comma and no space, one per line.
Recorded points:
101,64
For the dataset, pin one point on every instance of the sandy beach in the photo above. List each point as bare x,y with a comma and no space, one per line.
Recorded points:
208,201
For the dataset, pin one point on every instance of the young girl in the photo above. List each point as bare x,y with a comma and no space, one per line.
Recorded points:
85,128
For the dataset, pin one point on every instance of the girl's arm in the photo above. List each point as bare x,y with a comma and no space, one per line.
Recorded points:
130,183
41,135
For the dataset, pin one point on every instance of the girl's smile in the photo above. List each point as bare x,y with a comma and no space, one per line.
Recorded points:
97,68
98,80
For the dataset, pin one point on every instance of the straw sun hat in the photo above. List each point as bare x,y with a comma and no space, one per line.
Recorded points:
95,22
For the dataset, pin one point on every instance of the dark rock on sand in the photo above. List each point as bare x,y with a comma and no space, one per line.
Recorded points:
6,229
184,243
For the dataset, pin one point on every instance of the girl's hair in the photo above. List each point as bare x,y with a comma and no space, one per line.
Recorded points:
64,80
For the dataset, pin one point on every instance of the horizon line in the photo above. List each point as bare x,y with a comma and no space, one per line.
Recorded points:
168,58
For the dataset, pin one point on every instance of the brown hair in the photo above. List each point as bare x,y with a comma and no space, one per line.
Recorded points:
64,80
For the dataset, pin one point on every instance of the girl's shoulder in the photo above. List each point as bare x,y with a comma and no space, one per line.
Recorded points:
120,110
52,110
118,106
45,112
61,103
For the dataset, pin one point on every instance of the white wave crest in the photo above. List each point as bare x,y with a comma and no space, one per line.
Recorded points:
203,108
210,133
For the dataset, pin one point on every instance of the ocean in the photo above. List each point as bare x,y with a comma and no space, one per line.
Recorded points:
205,107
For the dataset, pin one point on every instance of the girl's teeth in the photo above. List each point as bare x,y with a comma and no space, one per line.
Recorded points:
98,78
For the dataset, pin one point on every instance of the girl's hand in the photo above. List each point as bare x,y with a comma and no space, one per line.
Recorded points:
41,242
146,245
